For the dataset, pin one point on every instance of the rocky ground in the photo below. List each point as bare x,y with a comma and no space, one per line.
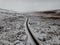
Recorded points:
18,29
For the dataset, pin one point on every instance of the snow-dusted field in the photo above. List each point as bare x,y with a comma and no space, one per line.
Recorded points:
18,29
13,30
45,30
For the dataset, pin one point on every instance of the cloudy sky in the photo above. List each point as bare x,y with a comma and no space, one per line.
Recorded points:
29,5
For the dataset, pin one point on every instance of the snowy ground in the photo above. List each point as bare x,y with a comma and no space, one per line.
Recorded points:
45,30
15,30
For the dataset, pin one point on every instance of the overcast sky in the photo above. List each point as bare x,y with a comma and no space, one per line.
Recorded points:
29,5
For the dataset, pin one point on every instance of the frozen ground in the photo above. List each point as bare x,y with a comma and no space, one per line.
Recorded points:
45,30
13,30
17,29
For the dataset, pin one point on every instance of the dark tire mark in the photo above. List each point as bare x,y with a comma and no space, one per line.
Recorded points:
31,33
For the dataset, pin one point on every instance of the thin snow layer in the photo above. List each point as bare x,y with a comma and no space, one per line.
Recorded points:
45,30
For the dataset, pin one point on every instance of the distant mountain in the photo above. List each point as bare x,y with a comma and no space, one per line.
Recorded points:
50,13
9,12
